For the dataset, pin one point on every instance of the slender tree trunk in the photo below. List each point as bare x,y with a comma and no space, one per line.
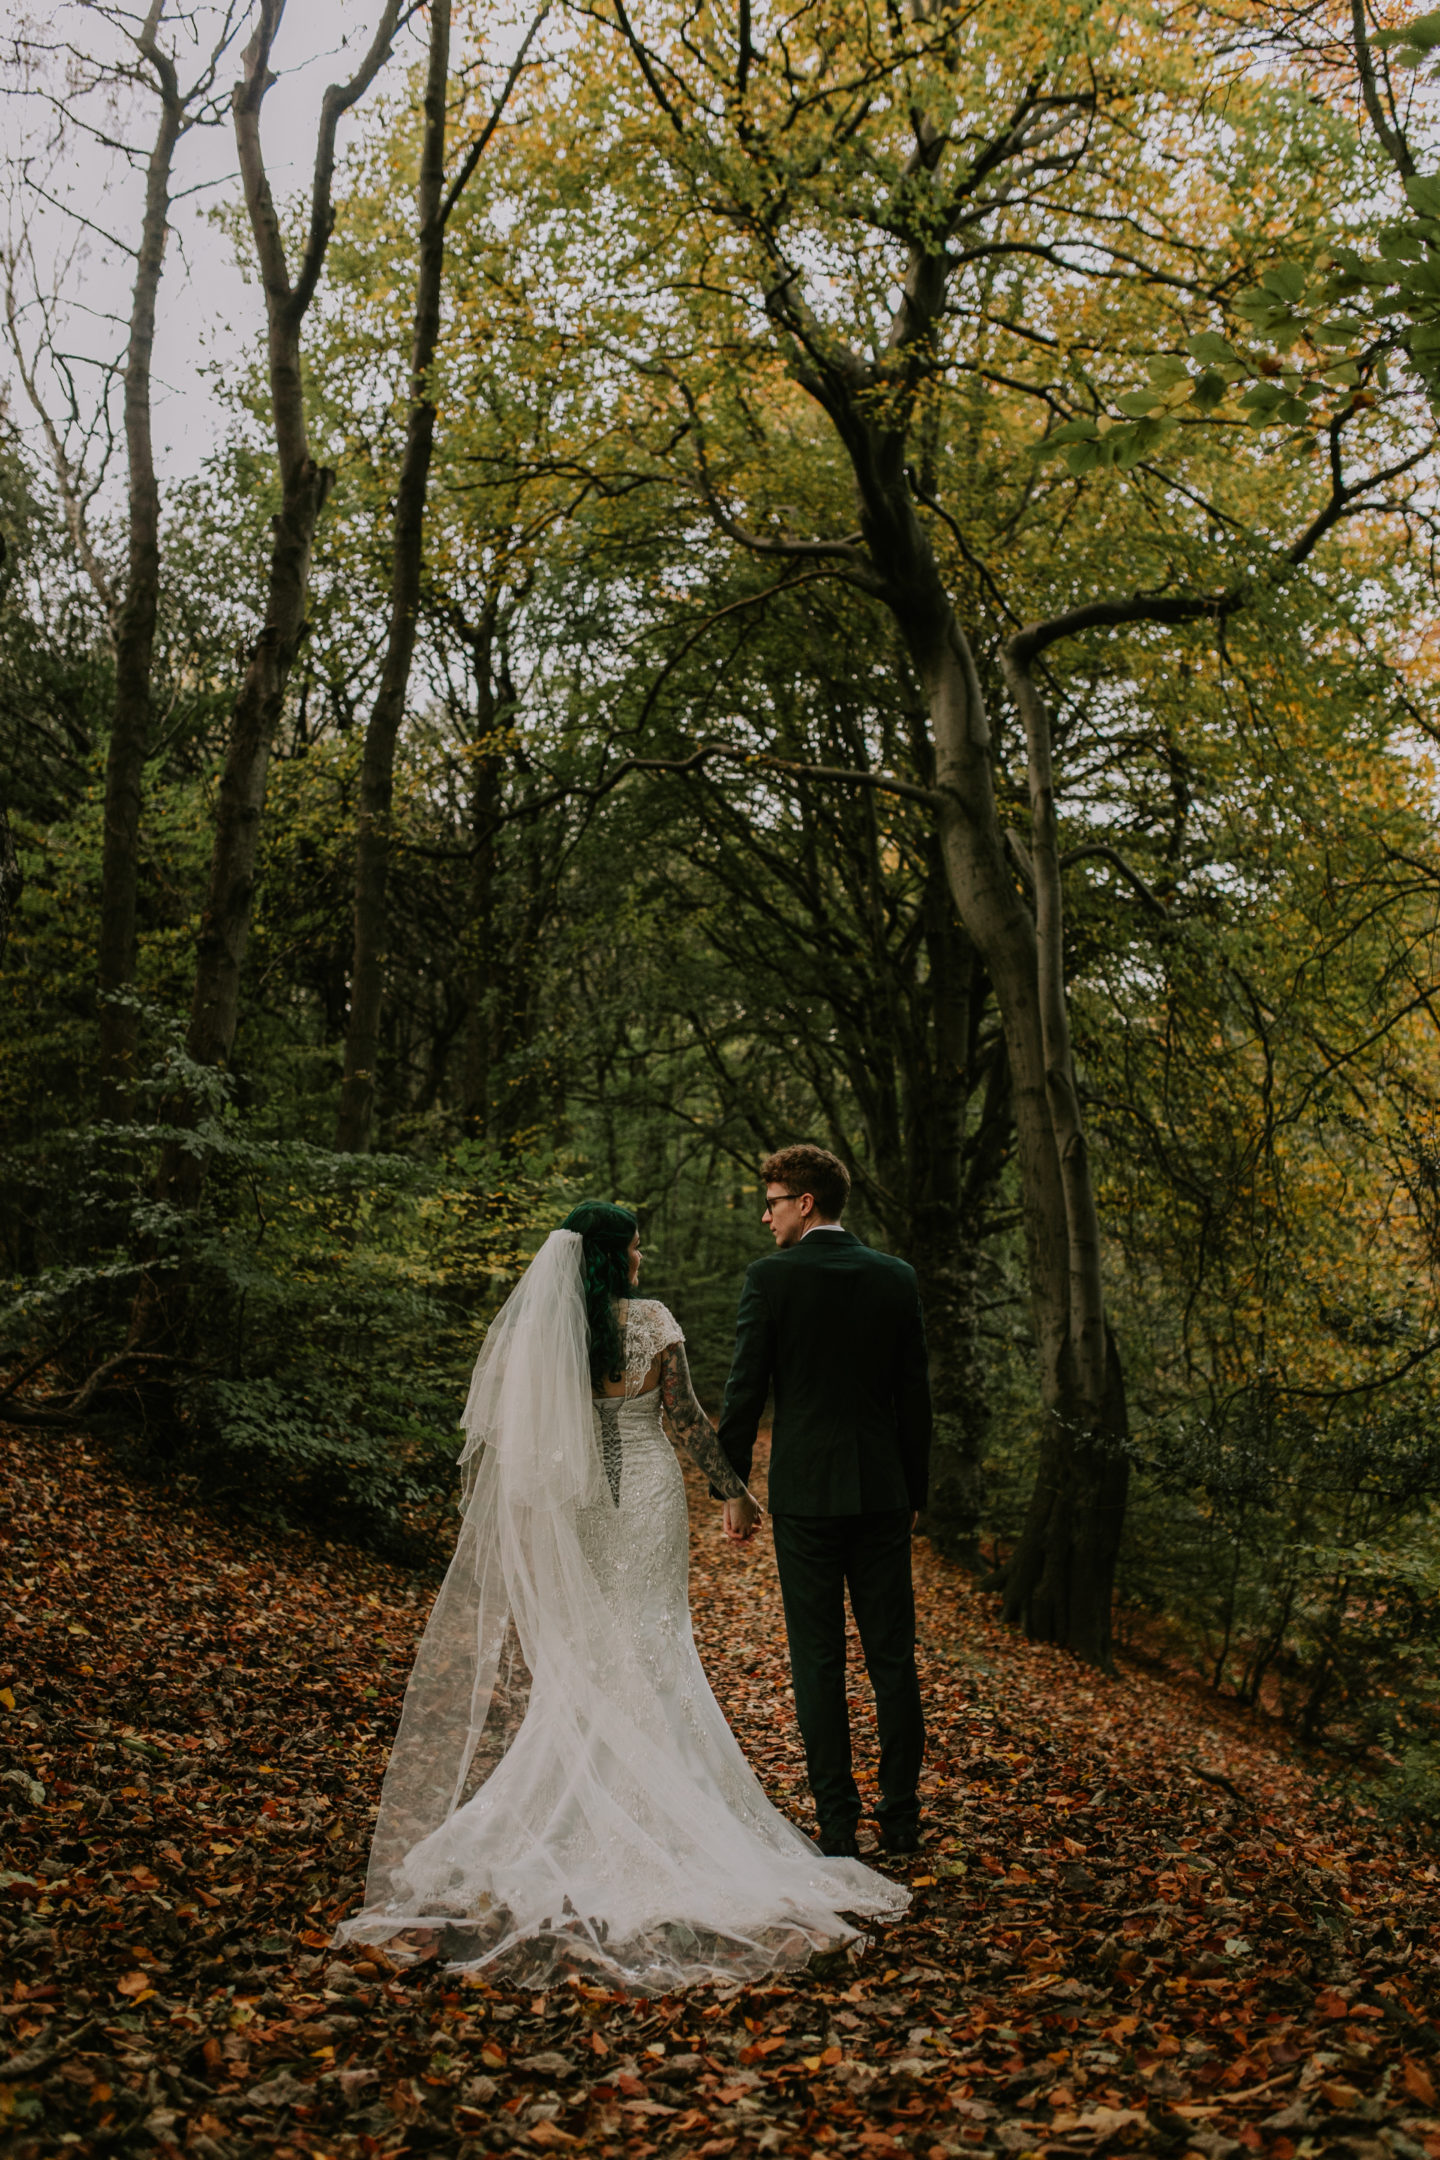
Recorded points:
230,895
1061,1576
377,772
135,624
482,982
225,924
945,1246
12,882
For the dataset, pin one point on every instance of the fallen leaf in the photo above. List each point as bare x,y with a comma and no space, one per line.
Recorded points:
993,1989
1417,2082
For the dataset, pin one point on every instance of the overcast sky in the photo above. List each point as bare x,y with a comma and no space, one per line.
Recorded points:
208,315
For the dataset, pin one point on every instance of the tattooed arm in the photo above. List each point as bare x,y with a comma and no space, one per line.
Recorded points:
692,1428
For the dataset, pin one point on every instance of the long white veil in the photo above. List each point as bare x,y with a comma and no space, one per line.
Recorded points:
517,1583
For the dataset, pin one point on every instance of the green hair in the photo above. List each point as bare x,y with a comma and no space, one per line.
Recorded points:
605,1257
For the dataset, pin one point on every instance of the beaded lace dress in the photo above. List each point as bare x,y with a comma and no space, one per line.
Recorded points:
565,1793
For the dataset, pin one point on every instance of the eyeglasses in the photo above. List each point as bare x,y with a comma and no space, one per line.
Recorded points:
772,1200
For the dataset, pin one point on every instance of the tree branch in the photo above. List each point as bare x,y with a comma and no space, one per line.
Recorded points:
337,101
1344,500
1026,646
642,58
858,566
734,753
1099,850
1390,133
481,143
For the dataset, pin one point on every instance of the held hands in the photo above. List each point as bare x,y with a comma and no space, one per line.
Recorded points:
743,1518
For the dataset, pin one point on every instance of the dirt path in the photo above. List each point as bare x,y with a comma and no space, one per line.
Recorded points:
1139,1921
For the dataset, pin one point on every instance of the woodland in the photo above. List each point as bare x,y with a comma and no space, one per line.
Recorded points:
861,573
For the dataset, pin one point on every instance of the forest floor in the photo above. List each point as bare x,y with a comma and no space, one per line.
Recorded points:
1140,1921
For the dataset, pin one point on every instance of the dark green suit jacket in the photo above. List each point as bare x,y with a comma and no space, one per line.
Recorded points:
836,1330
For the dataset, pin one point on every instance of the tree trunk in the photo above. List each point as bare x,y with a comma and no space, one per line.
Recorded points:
482,973
229,899
225,924
377,772
1060,1579
12,881
135,626
945,1258
946,1212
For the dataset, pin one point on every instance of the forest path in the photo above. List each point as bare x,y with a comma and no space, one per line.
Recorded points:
1106,1949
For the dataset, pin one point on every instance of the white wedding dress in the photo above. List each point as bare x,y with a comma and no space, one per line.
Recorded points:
616,1827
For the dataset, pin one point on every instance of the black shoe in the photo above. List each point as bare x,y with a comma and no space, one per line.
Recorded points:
838,1844
900,1837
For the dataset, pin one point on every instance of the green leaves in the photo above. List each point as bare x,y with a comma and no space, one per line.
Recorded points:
1177,390
1209,391
1085,449
1264,402
1209,345
1413,43
1074,431
1272,307
1127,446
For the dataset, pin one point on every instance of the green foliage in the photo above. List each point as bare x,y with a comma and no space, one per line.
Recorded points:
326,1308
1300,1553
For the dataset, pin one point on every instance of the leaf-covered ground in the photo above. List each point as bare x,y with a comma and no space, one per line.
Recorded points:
1138,1921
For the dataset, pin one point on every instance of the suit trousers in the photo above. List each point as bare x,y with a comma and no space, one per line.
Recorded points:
819,1557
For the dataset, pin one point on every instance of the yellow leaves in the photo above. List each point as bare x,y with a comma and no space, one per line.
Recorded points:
829,2060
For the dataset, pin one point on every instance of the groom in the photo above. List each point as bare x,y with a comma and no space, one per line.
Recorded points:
835,1329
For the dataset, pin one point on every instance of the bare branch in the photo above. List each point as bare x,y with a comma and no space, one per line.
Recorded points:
1391,135
643,59
337,101
1099,850
734,753
478,148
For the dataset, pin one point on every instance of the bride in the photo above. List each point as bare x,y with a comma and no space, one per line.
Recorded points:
564,1792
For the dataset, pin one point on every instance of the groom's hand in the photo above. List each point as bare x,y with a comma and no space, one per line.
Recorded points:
742,1519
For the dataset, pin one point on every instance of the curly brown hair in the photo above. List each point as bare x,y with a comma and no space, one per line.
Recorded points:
815,1170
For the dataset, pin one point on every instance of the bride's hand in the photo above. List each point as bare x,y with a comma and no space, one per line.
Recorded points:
742,1518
